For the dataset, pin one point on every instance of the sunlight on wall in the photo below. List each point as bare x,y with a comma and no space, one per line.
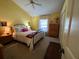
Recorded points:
26,23
7,30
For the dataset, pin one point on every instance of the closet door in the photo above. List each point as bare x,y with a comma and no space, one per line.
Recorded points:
73,39
70,39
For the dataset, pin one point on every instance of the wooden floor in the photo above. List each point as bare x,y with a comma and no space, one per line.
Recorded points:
53,51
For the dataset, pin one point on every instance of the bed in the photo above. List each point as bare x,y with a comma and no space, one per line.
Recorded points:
29,37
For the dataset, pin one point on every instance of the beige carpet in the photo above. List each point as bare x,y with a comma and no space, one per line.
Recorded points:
21,51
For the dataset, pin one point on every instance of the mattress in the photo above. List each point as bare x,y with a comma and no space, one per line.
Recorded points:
21,36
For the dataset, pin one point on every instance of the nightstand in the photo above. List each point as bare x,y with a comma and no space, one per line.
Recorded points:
6,39
1,51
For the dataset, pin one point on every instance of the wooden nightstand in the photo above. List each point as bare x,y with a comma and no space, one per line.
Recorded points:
5,39
1,51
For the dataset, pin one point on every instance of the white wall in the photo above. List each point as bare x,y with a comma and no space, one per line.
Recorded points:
69,29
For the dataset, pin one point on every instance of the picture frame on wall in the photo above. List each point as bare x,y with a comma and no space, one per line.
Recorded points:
3,23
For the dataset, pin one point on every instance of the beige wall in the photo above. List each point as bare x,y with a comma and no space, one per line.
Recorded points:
51,18
10,12
35,22
13,14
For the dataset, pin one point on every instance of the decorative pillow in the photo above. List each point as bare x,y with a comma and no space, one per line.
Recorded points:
21,28
24,29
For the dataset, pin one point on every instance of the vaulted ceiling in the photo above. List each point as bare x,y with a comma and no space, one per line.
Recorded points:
46,7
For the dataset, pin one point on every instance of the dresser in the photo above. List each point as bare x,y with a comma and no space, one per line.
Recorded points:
53,30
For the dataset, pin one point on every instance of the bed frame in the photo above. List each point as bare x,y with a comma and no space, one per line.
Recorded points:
32,41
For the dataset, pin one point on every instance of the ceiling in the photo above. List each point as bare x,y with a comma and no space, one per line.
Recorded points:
47,6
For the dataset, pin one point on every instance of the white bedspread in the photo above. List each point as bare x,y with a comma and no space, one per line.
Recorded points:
25,33
21,36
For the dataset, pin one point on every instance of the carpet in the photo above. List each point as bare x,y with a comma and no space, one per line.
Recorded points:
53,51
17,50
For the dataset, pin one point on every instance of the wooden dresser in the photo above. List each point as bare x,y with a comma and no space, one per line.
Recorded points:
53,30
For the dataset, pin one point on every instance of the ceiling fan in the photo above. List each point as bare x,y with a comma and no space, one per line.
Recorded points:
33,3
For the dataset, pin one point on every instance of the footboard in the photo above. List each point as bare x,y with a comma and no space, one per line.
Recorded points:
35,39
38,37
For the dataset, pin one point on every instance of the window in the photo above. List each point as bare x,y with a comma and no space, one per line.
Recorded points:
43,25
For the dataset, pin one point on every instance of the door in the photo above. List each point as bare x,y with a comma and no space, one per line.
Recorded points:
73,42
70,35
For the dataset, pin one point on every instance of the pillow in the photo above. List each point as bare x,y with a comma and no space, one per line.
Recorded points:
21,28
24,29
17,29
